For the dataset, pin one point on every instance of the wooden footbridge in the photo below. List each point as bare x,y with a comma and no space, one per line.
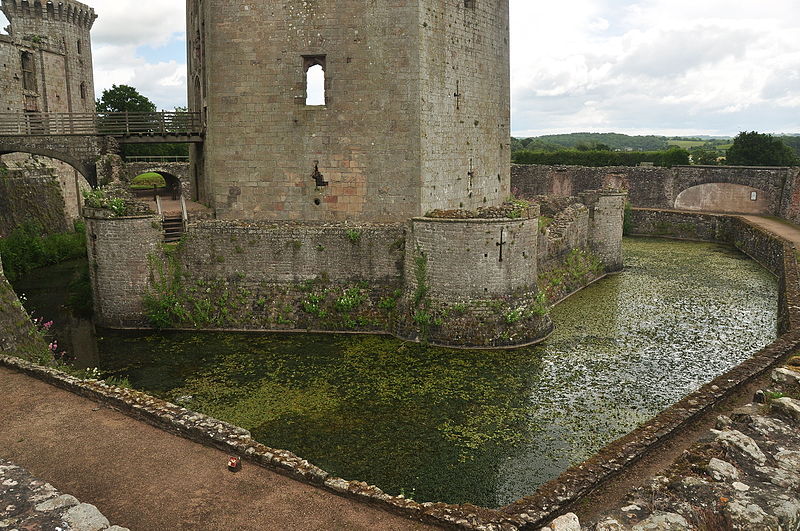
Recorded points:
80,139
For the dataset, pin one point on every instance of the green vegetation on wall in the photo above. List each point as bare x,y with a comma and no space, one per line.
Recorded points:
580,268
180,300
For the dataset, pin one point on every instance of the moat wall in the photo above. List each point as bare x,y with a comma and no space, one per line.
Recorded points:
31,195
466,282
726,189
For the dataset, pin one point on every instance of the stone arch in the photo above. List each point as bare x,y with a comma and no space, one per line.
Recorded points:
171,171
79,152
728,198
733,182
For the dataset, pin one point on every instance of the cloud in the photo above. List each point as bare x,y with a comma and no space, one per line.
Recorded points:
655,66
140,43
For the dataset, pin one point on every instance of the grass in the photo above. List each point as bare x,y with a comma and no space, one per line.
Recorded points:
146,181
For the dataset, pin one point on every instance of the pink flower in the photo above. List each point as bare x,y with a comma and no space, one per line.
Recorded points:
47,325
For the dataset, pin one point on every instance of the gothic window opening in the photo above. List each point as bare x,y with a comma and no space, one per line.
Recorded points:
83,91
28,73
80,47
469,4
315,79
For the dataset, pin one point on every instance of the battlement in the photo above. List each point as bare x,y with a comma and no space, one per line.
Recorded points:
68,11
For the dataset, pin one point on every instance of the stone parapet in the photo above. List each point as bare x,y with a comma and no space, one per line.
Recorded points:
121,253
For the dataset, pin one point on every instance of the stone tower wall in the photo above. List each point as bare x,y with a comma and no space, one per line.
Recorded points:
606,215
397,135
263,143
465,93
57,34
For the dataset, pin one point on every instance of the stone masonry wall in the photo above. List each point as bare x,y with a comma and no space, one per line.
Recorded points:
650,187
472,282
179,170
292,253
57,35
466,108
364,141
606,211
415,117
120,252
566,230
31,195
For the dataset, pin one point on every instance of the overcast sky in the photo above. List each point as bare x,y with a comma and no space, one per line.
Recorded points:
639,67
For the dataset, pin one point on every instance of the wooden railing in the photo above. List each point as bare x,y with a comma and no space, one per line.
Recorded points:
119,124
157,159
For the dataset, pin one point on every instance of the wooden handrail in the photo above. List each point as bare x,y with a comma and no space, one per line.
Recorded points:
122,124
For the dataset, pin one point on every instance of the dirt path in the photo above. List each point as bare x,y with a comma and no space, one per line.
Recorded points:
147,479
780,227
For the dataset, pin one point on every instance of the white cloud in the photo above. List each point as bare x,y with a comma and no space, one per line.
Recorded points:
662,66
141,43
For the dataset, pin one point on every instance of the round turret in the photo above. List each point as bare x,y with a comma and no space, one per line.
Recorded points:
53,44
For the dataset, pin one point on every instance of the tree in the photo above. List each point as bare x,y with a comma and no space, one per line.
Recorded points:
124,98
757,149
703,156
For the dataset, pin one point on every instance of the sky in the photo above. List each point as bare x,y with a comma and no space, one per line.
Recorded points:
667,67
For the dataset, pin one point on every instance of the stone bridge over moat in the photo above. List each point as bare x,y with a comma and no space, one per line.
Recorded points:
81,139
723,189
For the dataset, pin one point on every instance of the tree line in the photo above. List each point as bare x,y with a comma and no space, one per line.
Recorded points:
598,149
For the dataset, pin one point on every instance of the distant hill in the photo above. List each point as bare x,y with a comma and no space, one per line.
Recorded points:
613,141
793,141
704,149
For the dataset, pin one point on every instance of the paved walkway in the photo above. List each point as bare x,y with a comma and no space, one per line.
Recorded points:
780,227
144,478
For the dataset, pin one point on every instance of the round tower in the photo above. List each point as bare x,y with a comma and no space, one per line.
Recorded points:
54,42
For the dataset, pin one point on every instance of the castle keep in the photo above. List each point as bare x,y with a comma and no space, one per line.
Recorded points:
415,113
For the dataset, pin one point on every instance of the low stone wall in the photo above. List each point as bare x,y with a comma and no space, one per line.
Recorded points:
33,195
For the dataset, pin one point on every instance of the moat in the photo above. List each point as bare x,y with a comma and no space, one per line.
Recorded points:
485,427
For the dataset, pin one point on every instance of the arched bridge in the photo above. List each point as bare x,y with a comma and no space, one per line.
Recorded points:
80,139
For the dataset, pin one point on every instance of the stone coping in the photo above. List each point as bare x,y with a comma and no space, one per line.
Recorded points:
277,224
531,512
478,221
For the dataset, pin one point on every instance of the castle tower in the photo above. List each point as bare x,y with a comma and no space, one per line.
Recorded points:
49,55
411,112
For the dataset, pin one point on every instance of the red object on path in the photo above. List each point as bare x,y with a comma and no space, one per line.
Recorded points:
234,464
